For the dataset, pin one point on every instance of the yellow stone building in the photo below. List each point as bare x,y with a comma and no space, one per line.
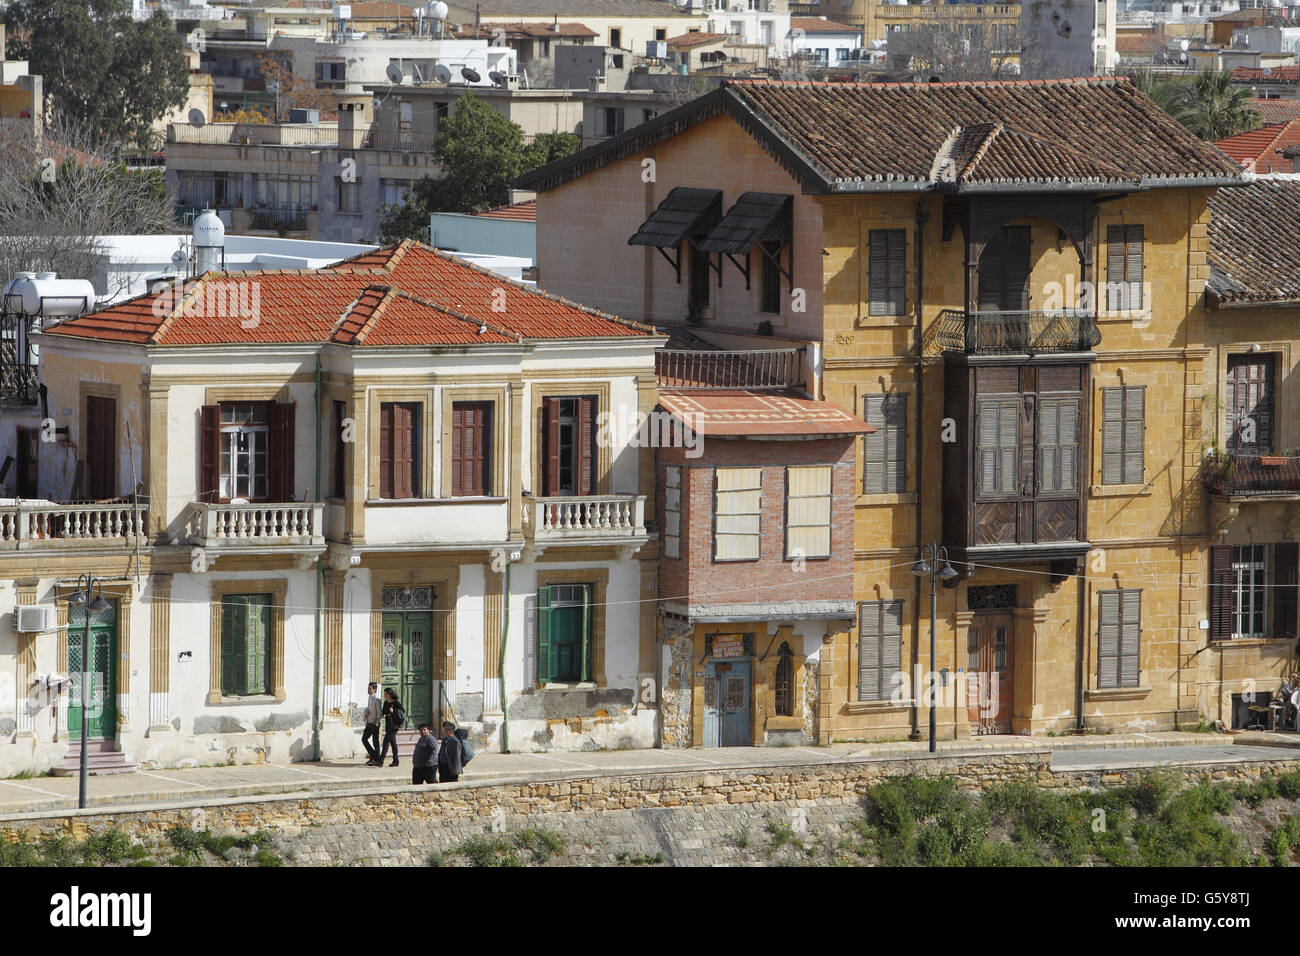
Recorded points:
1008,280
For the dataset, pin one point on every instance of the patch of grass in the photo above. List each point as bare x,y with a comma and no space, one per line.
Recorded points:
640,859
194,843
491,850
540,844
434,859
740,840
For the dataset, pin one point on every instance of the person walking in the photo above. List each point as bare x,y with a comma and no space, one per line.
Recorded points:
394,718
370,736
424,760
449,754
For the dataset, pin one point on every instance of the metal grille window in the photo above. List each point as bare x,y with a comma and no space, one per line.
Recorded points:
880,648
1120,622
1123,429
887,272
1124,268
245,644
737,510
784,681
1250,590
884,469
808,511
673,511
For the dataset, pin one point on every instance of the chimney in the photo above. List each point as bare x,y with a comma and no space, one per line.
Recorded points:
352,124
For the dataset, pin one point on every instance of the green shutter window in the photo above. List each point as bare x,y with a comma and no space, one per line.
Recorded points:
1120,627
887,272
588,641
884,469
544,635
234,617
245,644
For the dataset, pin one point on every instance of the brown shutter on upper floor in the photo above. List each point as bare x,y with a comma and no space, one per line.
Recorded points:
1286,560
386,450
471,437
586,445
403,451
101,447
1221,599
209,452
551,444
279,458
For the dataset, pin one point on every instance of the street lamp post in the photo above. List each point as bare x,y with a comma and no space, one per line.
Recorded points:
929,566
89,594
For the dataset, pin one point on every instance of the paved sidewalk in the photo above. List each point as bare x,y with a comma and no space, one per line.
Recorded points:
168,786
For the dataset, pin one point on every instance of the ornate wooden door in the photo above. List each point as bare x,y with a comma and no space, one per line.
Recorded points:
988,673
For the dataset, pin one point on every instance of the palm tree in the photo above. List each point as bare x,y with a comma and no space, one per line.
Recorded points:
1169,95
1215,108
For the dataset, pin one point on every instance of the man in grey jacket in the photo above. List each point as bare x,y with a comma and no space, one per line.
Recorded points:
371,733
449,754
425,758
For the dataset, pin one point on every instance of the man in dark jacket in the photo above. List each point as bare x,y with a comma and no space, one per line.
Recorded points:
425,758
394,716
449,754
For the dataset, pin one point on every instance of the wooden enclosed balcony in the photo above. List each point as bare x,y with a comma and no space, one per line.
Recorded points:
594,519
292,527
35,525
1016,333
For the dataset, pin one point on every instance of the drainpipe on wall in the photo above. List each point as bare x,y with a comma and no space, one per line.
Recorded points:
922,216
317,675
505,630
1083,645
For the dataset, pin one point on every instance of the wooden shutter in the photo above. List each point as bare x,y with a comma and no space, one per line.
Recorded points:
234,645
869,651
998,445
256,640
1134,434
340,451
1004,271
1112,436
471,448
1124,268
279,457
209,452
551,444
1250,395
1114,268
101,446
1108,643
884,468
543,635
1016,296
588,638
1130,636
891,644
887,272
1221,596
1286,559
1133,266
587,445
1058,444
386,450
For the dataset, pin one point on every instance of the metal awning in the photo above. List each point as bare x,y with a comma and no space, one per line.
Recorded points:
683,213
755,218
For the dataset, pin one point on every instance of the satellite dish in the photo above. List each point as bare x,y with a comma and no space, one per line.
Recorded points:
442,74
470,74
197,118
394,73
497,77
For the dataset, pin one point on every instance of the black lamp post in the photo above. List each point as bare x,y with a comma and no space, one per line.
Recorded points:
931,556
90,595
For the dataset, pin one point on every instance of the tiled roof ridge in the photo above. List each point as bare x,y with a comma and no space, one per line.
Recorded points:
1000,129
177,306
383,294
397,292
991,132
902,84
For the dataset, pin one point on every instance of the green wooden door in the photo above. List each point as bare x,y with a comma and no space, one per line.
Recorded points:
407,663
103,672
569,620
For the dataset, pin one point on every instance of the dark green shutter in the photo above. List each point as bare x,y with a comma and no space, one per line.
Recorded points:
234,645
259,635
543,635
588,639
1108,650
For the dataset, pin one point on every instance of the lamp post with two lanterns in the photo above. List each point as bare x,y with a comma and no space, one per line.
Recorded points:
929,566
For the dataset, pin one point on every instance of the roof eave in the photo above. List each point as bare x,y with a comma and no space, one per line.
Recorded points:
1221,304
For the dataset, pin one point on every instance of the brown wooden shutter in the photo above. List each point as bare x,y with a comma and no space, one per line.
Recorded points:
101,447
1286,562
586,445
1108,639
209,452
340,451
386,450
1221,597
1017,264
279,458
403,451
470,448
1004,271
551,444
458,449
1250,395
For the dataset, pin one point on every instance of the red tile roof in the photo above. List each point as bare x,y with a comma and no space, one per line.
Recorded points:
818,25
1258,149
408,294
1254,240
1277,111
685,41
876,137
535,31
740,412
523,211
1275,74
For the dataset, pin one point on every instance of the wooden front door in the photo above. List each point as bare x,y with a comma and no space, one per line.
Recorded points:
103,672
988,673
407,663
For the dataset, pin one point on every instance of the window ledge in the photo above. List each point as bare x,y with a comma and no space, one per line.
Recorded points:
1133,490
1115,693
890,498
1251,641
455,499
226,700
581,685
876,706
904,321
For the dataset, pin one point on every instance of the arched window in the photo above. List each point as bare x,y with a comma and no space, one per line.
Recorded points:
785,681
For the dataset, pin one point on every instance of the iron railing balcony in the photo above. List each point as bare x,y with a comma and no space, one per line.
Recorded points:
1251,476
1017,333
274,217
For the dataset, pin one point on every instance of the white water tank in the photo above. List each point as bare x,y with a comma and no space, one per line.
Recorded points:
209,242
49,295
14,288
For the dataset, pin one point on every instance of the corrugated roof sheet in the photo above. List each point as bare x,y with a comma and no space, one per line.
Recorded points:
1255,242
738,413
684,212
429,297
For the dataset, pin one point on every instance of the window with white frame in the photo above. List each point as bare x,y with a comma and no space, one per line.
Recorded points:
245,439
1250,590
737,510
808,511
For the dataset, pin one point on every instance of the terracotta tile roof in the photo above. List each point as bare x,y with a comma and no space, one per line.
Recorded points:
818,25
578,8
1276,74
531,30
991,153
888,137
522,211
687,40
1261,147
1255,242
740,412
1277,111
408,294
1140,43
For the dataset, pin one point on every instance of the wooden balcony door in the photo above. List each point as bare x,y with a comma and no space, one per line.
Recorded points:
1250,389
988,672
101,447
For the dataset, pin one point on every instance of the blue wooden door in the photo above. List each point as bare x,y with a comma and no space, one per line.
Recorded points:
726,704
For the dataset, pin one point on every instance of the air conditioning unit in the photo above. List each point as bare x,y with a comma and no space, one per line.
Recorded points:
36,618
